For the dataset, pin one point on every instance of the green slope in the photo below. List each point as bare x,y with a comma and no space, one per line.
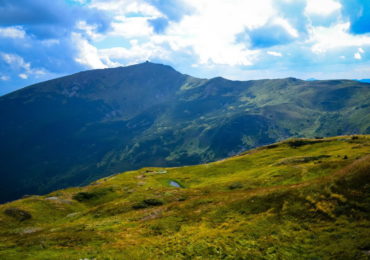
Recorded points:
76,129
297,199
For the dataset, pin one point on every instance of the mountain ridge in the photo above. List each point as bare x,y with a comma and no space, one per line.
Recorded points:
91,124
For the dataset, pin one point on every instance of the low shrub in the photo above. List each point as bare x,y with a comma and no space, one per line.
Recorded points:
271,146
299,142
235,185
153,202
147,203
92,195
18,214
83,196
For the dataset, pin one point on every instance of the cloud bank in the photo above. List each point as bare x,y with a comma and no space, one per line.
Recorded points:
237,39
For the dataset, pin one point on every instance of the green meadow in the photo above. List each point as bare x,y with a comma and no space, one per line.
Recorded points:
296,199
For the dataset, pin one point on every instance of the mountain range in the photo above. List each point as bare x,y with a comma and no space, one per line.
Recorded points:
75,129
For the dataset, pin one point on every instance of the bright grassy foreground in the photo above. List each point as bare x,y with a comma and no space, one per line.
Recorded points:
298,199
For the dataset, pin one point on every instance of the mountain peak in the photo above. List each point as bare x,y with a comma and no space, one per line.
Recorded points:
149,64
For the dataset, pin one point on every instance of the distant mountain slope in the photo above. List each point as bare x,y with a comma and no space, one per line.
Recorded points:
75,129
298,199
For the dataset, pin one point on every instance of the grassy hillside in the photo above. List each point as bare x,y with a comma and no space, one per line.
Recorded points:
76,129
297,199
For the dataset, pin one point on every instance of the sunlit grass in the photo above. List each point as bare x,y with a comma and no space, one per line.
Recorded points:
295,200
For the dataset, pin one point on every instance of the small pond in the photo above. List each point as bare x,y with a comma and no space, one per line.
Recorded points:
175,184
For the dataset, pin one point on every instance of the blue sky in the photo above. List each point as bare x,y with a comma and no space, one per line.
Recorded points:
236,39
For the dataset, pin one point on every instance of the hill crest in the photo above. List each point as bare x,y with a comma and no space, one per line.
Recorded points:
288,198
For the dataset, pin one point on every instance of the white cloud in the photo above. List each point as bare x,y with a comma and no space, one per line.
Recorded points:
207,40
203,35
210,32
226,37
337,36
208,37
275,53
131,27
123,7
17,63
322,7
357,56
4,78
12,32
135,54
287,26
89,30
23,76
88,54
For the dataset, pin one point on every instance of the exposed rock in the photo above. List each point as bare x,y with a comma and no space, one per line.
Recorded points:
51,198
153,215
31,230
72,215
58,200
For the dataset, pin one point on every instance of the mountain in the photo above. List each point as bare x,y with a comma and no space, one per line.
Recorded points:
76,129
297,199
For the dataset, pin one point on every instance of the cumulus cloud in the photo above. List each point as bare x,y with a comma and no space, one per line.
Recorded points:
322,7
124,7
275,53
23,76
337,36
131,27
48,19
211,38
87,54
17,63
12,32
40,32
135,54
358,55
